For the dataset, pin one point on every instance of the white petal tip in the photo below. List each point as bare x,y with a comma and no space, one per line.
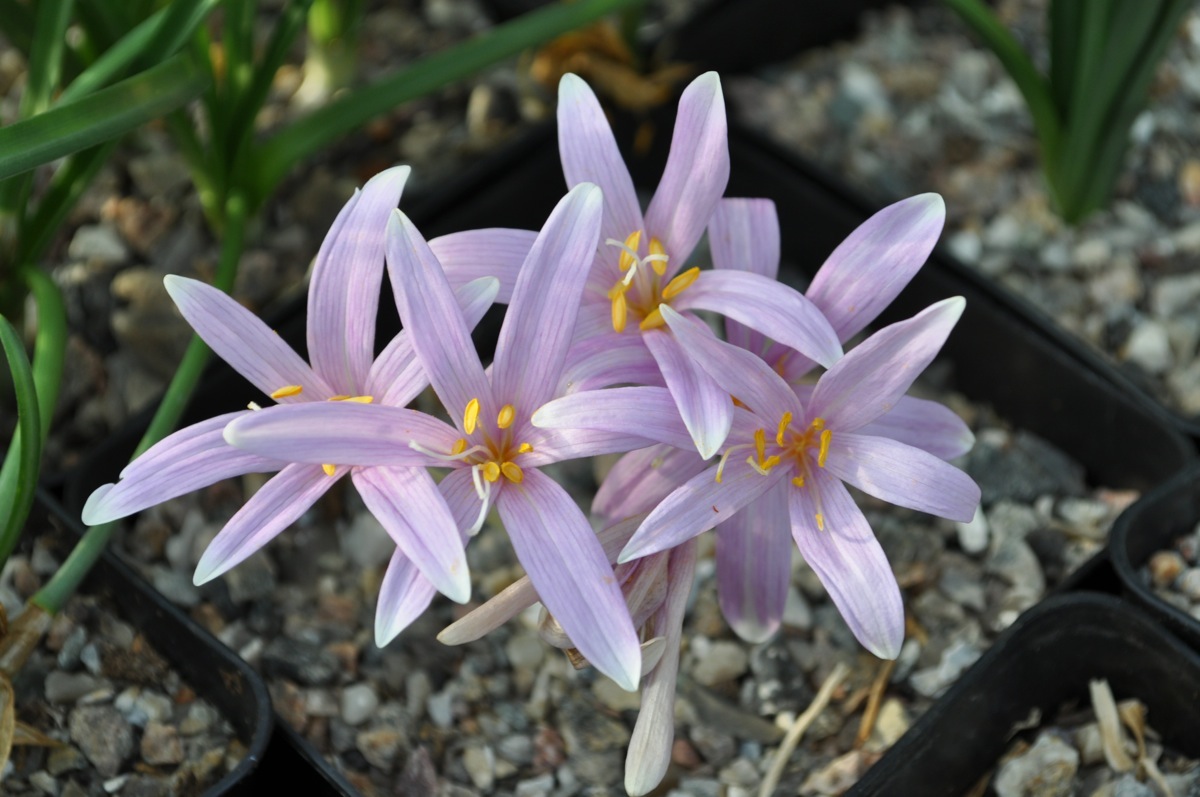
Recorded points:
459,590
94,513
752,632
205,572
384,635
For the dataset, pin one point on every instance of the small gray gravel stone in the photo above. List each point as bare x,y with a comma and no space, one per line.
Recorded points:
62,687
103,735
359,702
1046,769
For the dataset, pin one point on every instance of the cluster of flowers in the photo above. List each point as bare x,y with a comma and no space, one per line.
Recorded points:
601,351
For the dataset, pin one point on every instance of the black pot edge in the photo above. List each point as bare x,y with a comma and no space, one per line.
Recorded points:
1148,526
1045,660
217,674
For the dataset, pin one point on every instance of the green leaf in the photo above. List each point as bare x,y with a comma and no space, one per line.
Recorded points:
66,187
19,473
98,117
308,135
150,42
46,54
17,23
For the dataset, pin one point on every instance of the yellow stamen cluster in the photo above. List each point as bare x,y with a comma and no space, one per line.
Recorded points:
794,446
287,391
494,456
643,295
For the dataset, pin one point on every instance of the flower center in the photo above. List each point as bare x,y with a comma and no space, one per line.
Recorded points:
493,454
640,290
788,444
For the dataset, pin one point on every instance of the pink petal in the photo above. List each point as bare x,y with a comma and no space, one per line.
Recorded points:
903,475
706,408
870,268
407,502
744,236
429,311
647,412
276,505
559,445
496,252
589,155
641,479
754,565
872,377
239,338
850,563
608,359
767,306
194,457
925,424
537,329
343,295
563,558
404,595
696,173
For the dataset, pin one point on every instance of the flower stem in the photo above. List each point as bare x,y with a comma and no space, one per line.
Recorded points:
51,597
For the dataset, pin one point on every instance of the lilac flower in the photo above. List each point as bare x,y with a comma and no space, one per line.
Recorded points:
639,270
798,455
343,298
493,451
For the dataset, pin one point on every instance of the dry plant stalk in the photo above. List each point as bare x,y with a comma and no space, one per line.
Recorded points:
874,701
796,731
1111,735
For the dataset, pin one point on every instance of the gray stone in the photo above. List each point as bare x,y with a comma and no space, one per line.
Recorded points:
103,735
718,662
1149,347
72,646
525,651
200,718
380,746
973,535
62,687
44,782
1046,769
252,580
161,744
302,662
1024,469
583,728
541,786
176,586
359,702
517,748
65,759
1189,583
480,763
932,681
366,543
97,243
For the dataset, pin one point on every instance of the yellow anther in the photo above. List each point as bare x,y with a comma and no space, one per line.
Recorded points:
620,312
659,264
287,390
770,462
784,422
329,469
818,424
652,321
339,398
471,417
798,481
632,242
760,444
823,453
460,445
360,399
505,418
618,289
491,471
820,522
680,283
512,472
524,448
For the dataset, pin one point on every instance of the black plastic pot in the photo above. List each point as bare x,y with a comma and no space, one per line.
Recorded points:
1043,661
1151,525
216,673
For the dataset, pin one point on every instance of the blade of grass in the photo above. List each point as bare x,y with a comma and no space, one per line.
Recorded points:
292,145
45,55
67,185
98,117
1063,21
16,21
19,473
151,41
1030,83
49,349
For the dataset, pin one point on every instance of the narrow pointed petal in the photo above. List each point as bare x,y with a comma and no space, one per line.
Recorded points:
404,596
696,173
343,295
870,268
698,506
342,433
743,235
606,360
192,458
738,372
872,377
239,338
396,377
763,304
654,732
494,252
928,425
754,565
429,311
903,475
590,155
407,502
276,505
563,558
458,491
538,328
648,412
850,563
559,445
641,479
706,407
